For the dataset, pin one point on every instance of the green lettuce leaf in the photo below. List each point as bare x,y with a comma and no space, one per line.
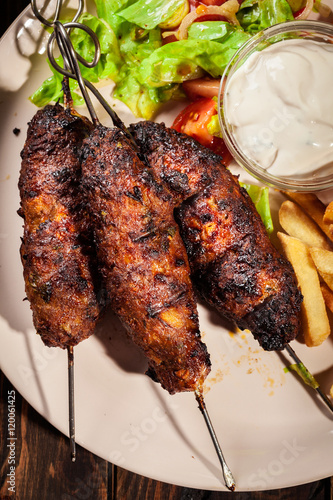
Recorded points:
142,100
51,89
135,45
107,10
260,197
110,60
150,13
183,60
256,15
218,31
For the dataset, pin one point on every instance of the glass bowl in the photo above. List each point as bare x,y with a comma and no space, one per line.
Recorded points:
305,179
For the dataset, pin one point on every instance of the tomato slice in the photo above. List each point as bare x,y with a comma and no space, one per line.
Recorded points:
193,121
298,13
196,3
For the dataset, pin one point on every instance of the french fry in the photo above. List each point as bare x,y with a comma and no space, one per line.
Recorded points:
328,296
328,214
299,225
323,260
316,325
328,217
331,391
315,208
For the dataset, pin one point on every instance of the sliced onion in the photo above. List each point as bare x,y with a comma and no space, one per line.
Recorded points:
177,17
201,87
306,11
227,10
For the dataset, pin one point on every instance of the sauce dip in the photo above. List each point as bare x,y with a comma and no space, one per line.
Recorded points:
279,105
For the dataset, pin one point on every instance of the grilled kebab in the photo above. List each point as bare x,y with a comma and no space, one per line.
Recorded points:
55,250
234,265
142,260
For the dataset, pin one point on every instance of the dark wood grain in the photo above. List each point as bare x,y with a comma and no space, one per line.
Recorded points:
43,469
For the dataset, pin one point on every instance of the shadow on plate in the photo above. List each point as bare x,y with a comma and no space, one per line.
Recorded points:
118,345
121,348
210,461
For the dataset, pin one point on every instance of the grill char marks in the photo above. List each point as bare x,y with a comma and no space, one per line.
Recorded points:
143,260
233,262
55,249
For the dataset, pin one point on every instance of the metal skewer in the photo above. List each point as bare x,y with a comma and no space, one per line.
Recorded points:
70,354
227,474
62,37
307,377
71,69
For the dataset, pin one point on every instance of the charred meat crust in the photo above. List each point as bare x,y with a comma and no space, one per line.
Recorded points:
143,260
55,250
233,262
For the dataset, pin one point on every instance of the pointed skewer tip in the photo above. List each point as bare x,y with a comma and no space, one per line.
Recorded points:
227,474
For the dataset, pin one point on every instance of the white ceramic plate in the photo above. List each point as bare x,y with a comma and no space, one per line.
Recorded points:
273,430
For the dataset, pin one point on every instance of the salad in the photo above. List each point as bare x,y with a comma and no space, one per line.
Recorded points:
161,50
150,48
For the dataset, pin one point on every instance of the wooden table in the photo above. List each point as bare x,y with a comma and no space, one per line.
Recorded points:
42,460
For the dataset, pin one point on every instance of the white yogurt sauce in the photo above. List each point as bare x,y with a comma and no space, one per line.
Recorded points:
280,106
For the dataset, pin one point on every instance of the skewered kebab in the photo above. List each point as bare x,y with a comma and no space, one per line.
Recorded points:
77,328
143,260
145,267
234,265
60,282
58,276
